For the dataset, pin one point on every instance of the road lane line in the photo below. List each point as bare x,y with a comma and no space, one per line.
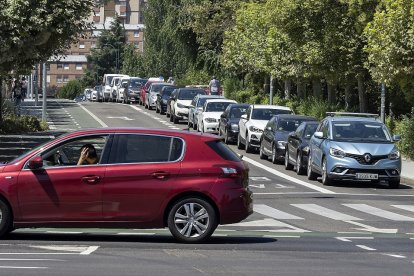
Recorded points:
25,267
366,247
378,212
348,239
287,177
90,250
325,212
272,212
93,116
395,255
405,207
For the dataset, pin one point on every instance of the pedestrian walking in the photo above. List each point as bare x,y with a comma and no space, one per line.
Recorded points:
17,96
214,86
24,88
171,80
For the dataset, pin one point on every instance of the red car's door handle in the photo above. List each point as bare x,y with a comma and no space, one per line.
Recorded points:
160,175
91,179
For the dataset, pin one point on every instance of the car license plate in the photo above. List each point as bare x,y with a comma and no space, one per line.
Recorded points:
366,176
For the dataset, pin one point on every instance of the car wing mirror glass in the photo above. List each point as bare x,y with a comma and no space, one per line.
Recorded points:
396,138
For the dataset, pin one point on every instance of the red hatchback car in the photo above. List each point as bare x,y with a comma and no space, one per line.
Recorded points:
127,178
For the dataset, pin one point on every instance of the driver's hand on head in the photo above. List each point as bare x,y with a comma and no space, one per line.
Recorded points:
84,154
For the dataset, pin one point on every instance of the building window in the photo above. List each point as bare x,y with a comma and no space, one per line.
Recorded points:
65,78
59,79
81,45
136,45
59,66
79,67
66,66
136,33
98,13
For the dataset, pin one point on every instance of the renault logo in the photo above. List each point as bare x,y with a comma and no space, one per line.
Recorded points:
367,157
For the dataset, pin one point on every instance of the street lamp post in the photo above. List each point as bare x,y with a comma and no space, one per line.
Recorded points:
117,56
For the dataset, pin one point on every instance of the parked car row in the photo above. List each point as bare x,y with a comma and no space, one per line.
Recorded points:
344,146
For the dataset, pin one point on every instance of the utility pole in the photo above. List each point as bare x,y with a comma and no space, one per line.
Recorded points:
44,93
36,77
383,102
271,90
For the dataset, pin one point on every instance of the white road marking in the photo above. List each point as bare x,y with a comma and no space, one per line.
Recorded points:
122,118
287,177
366,247
325,212
270,223
348,239
93,116
395,255
89,250
371,228
25,267
258,186
281,186
259,178
405,207
272,212
379,212
13,259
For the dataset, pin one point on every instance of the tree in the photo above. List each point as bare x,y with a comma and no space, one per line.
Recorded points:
104,58
390,45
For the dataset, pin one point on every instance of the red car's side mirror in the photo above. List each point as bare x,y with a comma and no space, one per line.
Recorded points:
36,163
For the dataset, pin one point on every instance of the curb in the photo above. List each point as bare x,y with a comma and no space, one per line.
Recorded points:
408,181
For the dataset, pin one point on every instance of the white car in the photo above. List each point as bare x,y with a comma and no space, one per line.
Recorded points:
252,124
153,91
208,120
180,102
107,85
196,107
122,85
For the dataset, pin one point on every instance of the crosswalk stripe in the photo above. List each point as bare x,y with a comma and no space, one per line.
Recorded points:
272,212
379,212
325,212
405,207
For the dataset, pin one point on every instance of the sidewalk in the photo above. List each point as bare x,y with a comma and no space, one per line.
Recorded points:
407,173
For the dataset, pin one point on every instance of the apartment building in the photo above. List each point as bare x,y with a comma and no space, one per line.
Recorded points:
73,64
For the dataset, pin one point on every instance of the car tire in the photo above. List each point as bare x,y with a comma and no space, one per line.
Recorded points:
262,155
394,184
247,147
175,120
171,118
189,125
188,214
288,166
299,167
326,181
195,126
239,143
310,173
5,218
274,155
226,137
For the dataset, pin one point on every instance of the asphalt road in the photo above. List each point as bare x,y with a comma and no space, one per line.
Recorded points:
299,227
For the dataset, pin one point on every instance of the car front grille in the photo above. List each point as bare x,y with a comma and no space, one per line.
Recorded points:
361,158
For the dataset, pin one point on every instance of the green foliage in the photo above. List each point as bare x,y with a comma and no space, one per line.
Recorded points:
195,77
20,125
316,108
406,129
33,31
103,58
72,89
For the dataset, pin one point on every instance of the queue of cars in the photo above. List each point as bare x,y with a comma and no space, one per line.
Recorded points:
344,146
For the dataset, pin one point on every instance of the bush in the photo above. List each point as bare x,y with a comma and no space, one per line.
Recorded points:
316,108
71,90
20,125
194,76
406,129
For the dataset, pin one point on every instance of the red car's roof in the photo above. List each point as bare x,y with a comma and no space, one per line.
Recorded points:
179,133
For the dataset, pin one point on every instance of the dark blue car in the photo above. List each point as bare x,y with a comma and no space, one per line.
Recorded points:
274,139
229,122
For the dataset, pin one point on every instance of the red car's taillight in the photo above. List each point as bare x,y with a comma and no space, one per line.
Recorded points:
230,172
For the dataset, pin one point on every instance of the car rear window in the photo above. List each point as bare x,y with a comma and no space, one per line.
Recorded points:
223,150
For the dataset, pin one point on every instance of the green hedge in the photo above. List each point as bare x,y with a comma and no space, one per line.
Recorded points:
71,90
405,128
20,125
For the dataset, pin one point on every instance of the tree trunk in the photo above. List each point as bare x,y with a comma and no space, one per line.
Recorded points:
347,96
331,93
300,88
288,89
316,88
361,93
1,99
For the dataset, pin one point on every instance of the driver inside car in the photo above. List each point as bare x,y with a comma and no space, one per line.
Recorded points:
88,155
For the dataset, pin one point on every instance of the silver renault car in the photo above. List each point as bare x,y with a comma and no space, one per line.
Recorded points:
354,146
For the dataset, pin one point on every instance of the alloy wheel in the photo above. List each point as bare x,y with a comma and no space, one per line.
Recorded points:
191,220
